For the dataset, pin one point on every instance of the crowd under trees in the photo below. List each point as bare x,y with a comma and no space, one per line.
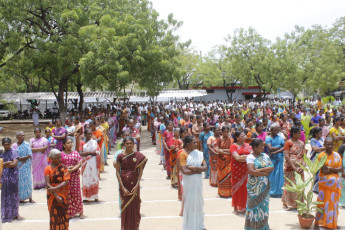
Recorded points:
115,44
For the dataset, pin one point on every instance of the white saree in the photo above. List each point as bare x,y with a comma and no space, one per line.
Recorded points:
90,178
193,212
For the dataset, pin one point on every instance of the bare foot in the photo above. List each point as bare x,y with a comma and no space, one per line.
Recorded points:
19,218
96,200
81,216
285,207
85,201
181,214
235,212
31,200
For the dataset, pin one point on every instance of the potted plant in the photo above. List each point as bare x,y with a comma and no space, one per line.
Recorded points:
305,203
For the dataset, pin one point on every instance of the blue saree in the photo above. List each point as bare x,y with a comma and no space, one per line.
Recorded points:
258,187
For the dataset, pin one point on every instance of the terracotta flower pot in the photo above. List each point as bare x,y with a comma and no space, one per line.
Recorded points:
306,222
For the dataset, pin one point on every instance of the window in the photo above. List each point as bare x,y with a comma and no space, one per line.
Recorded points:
209,91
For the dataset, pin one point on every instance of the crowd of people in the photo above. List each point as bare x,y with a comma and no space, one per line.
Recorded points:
245,149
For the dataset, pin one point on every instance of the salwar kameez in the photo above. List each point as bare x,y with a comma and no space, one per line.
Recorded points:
24,170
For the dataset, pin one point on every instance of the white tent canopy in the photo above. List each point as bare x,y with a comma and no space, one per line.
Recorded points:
182,93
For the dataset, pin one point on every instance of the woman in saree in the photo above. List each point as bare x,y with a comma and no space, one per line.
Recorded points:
103,149
51,140
192,166
39,146
293,153
175,144
59,134
70,129
90,167
212,147
329,187
335,133
239,152
183,134
72,160
78,134
98,137
168,134
224,164
275,145
259,131
129,170
57,178
9,183
316,143
258,187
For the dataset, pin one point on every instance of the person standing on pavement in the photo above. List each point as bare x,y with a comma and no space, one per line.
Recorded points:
55,112
24,153
9,183
130,165
203,137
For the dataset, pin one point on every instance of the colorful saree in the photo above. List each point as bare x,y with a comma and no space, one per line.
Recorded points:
329,193
9,188
173,157
24,170
224,169
59,132
239,176
258,188
58,211
342,198
75,203
39,161
295,153
168,136
212,142
130,205
90,171
78,136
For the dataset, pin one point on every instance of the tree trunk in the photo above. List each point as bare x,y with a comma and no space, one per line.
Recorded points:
225,88
61,100
81,97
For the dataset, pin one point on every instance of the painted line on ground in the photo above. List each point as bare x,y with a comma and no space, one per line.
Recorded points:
144,201
143,218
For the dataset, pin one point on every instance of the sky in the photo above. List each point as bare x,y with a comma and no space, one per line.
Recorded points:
207,23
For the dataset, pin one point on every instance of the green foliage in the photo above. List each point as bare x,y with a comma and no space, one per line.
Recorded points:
306,126
305,204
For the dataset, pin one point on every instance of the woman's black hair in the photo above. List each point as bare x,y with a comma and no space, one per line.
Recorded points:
198,116
258,124
182,130
168,122
297,123
294,129
281,115
315,131
86,131
322,119
37,129
336,119
205,124
256,142
237,134
6,140
64,141
47,130
225,128
129,138
187,140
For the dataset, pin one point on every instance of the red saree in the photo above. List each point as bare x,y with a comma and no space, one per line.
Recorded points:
130,205
58,211
224,169
239,177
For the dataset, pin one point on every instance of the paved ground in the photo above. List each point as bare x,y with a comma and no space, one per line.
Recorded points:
159,207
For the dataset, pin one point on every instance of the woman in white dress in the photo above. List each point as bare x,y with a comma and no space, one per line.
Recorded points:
192,165
91,160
